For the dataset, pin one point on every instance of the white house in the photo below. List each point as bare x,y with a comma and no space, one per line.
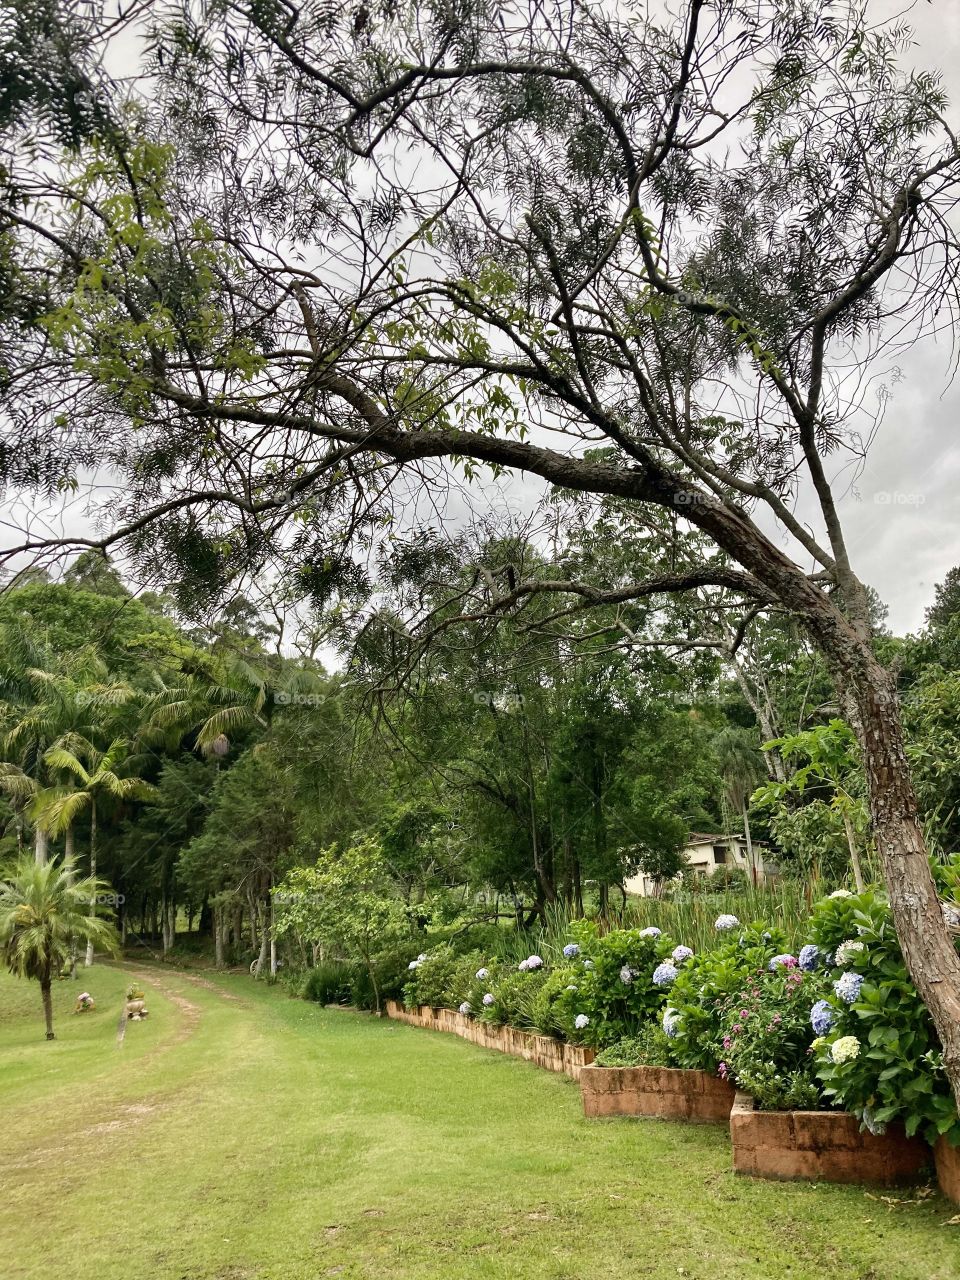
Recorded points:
703,853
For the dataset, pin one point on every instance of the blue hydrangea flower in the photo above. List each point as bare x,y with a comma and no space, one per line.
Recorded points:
681,953
671,1022
626,975
483,973
465,1007
848,986
488,999
581,1021
665,974
531,962
588,964
782,962
571,950
809,957
651,931
726,922
821,1017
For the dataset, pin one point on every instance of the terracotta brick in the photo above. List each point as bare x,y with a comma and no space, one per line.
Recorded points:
543,1051
947,1160
658,1092
823,1146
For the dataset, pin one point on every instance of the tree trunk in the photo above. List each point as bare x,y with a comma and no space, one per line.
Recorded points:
218,929
273,940
47,997
41,846
928,948
88,960
252,908
261,959
751,860
854,855
68,844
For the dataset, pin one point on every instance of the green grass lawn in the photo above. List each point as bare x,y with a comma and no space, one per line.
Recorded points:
243,1135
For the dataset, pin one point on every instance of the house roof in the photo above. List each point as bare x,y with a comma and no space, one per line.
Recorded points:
706,837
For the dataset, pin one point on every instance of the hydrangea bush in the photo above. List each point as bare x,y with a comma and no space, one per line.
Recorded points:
704,985
877,1054
768,1036
619,986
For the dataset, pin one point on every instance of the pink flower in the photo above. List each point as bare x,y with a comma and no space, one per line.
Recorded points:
744,1013
737,1027
727,1042
722,1071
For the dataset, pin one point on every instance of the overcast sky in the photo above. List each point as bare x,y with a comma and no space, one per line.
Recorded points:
903,517
902,514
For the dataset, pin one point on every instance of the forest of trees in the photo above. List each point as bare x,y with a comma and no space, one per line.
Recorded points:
194,767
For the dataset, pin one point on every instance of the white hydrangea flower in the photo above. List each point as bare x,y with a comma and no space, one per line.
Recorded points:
850,951
845,1049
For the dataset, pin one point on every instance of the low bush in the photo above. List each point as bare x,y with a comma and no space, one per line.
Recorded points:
515,993
706,983
877,1054
768,1037
650,1047
328,983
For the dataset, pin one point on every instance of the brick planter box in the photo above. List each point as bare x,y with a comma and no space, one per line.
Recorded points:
947,1160
543,1051
659,1092
823,1146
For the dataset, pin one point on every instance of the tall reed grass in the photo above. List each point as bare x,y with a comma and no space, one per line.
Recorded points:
688,918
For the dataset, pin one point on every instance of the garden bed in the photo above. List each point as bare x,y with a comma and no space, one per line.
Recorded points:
822,1146
543,1051
947,1160
659,1092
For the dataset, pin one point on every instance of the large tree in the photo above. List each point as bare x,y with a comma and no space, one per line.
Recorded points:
328,258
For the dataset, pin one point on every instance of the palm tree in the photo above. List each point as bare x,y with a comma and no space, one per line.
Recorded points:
45,698
57,809
741,770
42,909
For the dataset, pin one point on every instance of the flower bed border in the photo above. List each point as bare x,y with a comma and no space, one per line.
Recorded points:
661,1093
821,1146
543,1051
947,1161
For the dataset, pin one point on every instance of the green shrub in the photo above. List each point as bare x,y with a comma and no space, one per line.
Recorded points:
650,1047
328,983
554,1007
890,1064
615,990
515,994
706,983
767,1038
